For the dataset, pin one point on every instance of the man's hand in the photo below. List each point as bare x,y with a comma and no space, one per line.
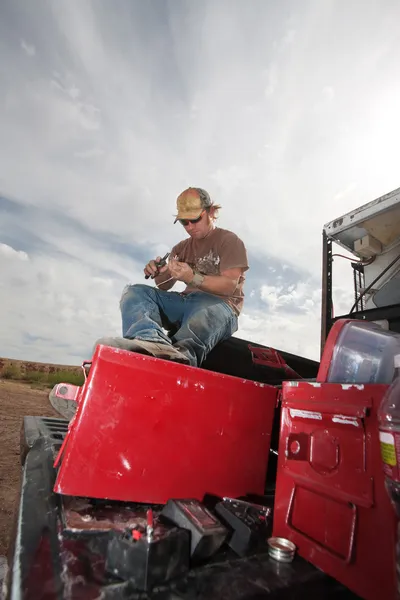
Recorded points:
152,270
180,271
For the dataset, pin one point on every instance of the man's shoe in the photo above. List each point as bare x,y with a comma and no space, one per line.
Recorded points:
116,342
64,406
159,350
156,349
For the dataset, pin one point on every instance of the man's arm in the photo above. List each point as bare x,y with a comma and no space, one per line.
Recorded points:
224,284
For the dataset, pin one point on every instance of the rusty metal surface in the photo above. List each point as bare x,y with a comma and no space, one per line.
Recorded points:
80,514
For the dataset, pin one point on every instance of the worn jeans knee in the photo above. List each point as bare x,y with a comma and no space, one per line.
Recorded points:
200,320
144,311
207,322
135,293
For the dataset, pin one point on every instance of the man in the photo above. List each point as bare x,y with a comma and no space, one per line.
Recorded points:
184,327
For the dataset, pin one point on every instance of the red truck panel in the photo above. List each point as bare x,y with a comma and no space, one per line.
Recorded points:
147,430
330,497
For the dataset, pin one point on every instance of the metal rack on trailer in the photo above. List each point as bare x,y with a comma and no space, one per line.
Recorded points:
372,234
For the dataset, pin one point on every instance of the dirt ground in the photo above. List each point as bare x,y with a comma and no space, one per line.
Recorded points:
16,401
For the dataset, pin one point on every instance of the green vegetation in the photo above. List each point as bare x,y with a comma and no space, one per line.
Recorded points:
11,372
43,378
65,377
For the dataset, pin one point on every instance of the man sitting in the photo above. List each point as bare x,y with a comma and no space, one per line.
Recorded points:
185,326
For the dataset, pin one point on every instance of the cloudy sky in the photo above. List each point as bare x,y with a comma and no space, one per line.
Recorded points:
286,112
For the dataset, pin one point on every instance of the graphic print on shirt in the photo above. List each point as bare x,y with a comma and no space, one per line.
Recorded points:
206,265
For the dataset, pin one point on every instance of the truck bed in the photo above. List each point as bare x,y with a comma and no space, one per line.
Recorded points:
59,545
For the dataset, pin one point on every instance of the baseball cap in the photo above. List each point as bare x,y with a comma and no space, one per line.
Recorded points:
191,203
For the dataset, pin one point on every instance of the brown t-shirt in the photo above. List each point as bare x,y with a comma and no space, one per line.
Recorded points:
218,251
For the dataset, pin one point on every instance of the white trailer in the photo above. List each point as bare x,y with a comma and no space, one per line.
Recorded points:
372,234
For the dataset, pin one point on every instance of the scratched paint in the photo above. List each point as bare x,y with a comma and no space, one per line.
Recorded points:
125,462
305,414
183,382
285,420
296,383
348,386
344,420
69,580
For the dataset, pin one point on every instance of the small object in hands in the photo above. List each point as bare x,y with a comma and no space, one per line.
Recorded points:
248,520
159,264
148,563
207,532
281,549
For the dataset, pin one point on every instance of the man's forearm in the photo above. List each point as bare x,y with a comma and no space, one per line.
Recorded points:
218,284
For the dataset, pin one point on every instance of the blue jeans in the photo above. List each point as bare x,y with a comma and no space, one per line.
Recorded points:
196,321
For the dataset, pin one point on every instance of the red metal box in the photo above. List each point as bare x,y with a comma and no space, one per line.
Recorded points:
147,430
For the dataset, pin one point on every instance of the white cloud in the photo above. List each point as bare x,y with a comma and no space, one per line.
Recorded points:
297,333
345,192
10,253
56,312
328,93
289,38
28,48
288,115
90,153
271,76
291,313
290,320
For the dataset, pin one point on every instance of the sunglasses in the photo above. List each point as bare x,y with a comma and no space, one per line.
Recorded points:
185,222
